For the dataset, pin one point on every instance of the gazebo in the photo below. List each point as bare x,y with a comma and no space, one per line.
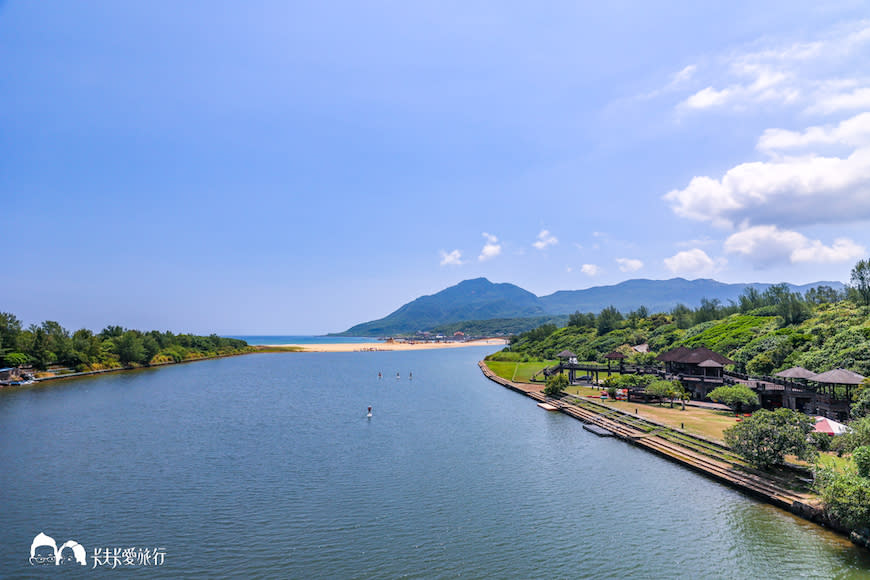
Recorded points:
615,355
835,391
795,394
567,355
796,373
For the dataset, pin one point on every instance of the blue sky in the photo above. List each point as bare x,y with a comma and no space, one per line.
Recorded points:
279,167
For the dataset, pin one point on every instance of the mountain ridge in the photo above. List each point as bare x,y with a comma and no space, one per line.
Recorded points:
480,299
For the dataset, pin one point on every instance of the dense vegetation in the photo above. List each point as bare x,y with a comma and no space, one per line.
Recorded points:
763,332
49,344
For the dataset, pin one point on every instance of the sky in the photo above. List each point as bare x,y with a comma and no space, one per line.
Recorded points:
300,167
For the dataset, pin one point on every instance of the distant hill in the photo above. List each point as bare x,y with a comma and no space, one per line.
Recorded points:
656,295
479,299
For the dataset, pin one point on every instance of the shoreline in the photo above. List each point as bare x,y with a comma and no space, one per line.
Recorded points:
383,346
758,486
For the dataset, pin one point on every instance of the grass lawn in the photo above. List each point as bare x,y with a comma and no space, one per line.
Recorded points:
520,372
840,464
705,422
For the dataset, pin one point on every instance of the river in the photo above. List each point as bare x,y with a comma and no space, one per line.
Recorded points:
266,466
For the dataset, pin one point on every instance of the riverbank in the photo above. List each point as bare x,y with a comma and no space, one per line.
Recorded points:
62,376
388,345
700,454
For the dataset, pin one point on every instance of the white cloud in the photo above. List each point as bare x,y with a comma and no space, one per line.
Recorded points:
694,262
767,244
590,269
814,75
843,250
453,258
491,249
706,98
545,238
792,190
684,75
832,102
853,132
629,264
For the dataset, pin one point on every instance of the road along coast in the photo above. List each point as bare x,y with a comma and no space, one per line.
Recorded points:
702,455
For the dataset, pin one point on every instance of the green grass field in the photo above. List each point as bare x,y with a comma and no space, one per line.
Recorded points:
520,372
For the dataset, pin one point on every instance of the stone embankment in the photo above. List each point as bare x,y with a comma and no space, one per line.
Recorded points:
714,465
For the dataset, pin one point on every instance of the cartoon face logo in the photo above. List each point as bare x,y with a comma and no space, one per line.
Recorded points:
44,550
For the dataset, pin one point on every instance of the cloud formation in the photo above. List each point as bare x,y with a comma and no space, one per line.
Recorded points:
453,258
491,248
629,264
817,76
765,245
694,262
545,238
590,269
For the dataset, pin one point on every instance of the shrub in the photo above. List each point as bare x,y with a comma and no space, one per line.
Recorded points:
861,457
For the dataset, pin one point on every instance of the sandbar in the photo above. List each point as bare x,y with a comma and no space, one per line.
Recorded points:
391,345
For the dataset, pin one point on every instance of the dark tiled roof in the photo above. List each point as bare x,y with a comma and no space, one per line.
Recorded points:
694,356
838,377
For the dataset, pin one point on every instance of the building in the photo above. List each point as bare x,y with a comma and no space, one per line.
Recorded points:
700,370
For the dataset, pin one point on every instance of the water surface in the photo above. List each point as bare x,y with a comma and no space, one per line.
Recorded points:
266,466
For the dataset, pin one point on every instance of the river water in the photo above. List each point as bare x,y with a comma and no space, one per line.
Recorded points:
266,466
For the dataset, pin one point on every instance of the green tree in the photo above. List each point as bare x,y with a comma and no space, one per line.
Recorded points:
10,328
861,404
662,390
846,497
861,457
555,385
608,320
683,316
735,396
130,348
765,438
861,280
581,320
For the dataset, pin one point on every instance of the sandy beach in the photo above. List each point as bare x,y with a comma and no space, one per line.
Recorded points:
384,346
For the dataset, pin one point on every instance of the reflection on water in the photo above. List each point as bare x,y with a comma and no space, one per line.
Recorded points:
266,465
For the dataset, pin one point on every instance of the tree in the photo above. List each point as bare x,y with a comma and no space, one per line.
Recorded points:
555,385
861,457
608,319
861,404
130,348
580,320
765,438
683,316
861,280
662,390
736,396
846,497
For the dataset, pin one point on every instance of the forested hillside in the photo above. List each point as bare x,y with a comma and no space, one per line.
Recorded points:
763,332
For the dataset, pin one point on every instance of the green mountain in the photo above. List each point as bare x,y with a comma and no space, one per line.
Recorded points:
656,295
480,300
477,299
